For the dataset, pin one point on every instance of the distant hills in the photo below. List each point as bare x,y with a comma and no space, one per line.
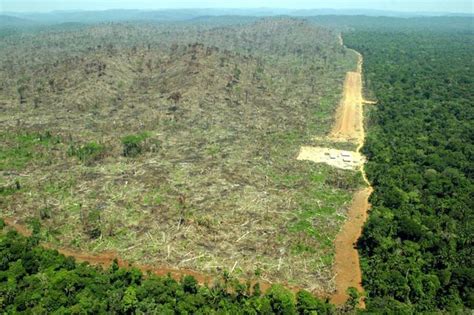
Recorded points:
7,20
58,17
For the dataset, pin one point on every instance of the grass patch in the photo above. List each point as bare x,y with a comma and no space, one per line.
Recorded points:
133,144
88,153
285,140
59,188
319,200
152,199
19,149
301,248
10,189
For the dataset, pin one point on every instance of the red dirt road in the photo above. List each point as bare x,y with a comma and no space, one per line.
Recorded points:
349,126
346,261
105,259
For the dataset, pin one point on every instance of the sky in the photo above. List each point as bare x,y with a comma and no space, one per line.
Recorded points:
453,6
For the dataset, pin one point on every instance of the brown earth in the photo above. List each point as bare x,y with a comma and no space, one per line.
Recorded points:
349,126
346,261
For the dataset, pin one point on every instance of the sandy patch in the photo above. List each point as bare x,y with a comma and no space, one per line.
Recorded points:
347,160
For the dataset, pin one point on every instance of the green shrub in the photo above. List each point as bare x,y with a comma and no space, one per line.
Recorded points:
133,144
306,303
45,213
10,189
17,150
281,300
92,223
189,284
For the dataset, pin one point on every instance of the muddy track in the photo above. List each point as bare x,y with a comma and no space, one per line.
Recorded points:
349,126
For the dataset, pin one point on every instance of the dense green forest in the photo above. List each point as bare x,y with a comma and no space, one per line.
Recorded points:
34,280
417,244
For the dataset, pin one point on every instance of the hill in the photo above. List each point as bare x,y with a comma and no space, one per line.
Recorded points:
175,145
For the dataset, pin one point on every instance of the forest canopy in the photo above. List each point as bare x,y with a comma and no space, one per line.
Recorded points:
417,244
36,280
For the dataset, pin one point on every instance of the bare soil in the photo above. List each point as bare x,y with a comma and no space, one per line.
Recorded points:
349,126
347,160
346,262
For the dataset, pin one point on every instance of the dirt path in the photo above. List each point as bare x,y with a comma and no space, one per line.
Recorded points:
346,261
350,127
105,259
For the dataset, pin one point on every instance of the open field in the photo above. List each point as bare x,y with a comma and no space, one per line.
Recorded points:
179,152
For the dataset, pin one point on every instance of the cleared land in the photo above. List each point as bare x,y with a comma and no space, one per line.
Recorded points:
346,263
172,146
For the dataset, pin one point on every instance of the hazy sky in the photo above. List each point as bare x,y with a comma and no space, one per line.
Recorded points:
465,6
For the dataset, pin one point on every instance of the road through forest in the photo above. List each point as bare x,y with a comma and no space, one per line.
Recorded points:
349,127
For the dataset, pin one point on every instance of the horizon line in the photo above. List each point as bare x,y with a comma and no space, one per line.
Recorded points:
241,9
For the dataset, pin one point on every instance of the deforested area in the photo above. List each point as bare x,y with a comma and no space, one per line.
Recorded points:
175,144
236,161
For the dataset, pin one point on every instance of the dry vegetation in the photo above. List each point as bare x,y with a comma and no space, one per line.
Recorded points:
176,144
